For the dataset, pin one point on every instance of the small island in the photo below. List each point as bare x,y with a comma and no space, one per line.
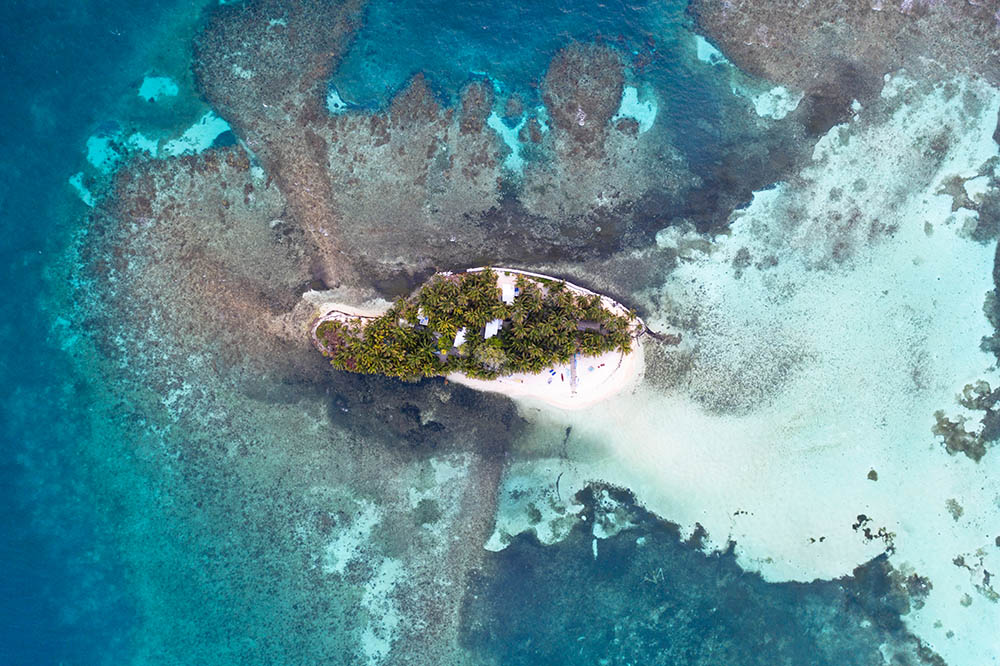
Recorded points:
504,330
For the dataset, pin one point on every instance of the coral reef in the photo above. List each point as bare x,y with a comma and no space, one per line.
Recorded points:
408,184
582,90
190,294
263,65
196,265
595,172
838,51
420,185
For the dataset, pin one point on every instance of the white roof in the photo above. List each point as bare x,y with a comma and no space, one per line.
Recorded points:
507,293
459,337
492,328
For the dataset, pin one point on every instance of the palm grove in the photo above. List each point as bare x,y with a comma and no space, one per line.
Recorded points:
545,324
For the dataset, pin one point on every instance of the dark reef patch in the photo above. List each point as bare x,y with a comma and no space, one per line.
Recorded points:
980,397
649,598
828,100
225,140
582,90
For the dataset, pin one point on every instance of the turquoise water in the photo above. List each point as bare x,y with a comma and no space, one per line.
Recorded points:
512,43
119,539
509,42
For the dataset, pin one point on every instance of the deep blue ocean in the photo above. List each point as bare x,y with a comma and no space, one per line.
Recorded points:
64,589
60,64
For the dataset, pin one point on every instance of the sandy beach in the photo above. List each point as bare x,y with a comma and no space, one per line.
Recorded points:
598,378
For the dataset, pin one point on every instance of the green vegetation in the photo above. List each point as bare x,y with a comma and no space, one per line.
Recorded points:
546,324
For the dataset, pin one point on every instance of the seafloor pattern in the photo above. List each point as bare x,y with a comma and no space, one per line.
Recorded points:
805,198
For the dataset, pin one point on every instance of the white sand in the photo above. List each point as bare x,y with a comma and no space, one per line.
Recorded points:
334,102
612,373
198,137
349,542
141,142
776,103
102,154
105,152
156,88
384,616
643,112
708,53
76,182
510,137
343,312
772,102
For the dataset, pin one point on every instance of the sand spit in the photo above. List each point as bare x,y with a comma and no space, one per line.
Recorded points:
823,340
583,382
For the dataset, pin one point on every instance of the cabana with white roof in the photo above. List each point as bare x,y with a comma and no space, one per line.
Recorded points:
507,292
492,328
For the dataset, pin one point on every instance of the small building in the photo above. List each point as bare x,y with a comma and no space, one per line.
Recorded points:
459,337
507,293
492,328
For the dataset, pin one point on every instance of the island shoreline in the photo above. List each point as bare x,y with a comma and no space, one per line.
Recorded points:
603,376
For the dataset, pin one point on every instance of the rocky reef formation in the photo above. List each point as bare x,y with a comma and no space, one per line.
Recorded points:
582,90
596,172
975,441
420,184
199,245
262,66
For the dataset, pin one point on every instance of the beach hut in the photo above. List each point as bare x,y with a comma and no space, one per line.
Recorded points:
507,293
492,328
